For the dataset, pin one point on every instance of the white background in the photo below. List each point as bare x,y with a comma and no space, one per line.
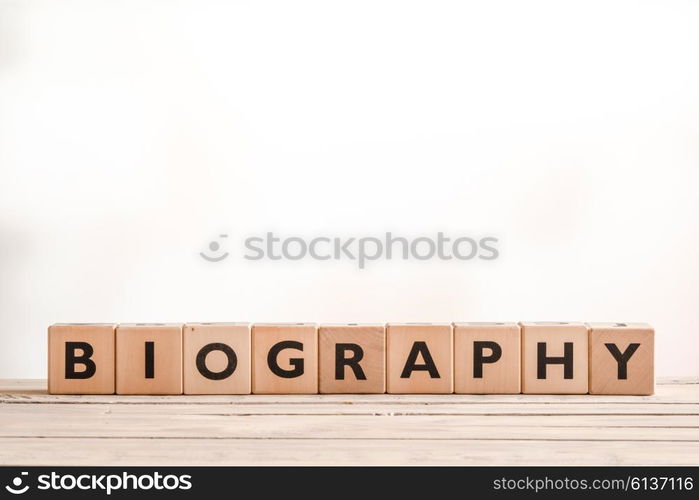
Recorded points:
133,133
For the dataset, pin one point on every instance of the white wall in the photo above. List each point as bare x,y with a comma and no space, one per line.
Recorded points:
132,133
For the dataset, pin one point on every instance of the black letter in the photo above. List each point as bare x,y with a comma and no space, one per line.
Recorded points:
542,361
297,363
150,359
341,361
225,349
84,358
622,359
479,359
410,366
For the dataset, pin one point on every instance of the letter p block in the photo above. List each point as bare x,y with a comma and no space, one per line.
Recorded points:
81,358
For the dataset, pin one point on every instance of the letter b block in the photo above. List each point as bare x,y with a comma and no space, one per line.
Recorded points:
420,358
81,358
554,358
149,358
352,359
621,358
216,358
284,358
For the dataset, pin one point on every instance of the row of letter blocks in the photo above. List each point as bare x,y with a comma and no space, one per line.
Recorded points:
303,358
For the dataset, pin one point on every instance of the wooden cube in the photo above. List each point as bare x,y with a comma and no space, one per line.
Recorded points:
420,358
284,358
621,358
554,358
352,359
149,358
487,358
81,358
217,358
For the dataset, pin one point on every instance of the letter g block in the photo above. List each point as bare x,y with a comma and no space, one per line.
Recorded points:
285,358
81,358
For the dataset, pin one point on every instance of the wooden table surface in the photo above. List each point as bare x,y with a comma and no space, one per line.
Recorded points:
40,429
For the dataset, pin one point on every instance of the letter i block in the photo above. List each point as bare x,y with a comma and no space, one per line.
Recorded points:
81,358
352,359
487,358
216,358
554,358
149,358
621,358
284,358
420,358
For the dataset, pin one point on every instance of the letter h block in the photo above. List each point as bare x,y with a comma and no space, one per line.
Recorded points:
284,358
554,358
81,358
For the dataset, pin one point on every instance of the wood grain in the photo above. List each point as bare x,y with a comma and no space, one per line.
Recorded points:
37,428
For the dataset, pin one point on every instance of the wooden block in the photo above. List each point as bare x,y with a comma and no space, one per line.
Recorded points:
487,358
149,358
217,358
554,357
621,358
419,358
352,359
284,358
81,358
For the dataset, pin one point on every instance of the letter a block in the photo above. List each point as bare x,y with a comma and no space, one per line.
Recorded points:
487,358
420,358
621,358
149,358
216,358
352,359
81,358
284,358
554,358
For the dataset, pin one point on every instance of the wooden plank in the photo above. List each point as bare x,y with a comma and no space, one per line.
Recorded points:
331,427
49,451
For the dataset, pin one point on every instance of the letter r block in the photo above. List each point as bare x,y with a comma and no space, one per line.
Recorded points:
621,358
487,358
217,358
149,358
81,358
419,358
284,358
554,358
352,359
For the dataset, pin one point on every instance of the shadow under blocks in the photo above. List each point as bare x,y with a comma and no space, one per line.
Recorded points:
544,357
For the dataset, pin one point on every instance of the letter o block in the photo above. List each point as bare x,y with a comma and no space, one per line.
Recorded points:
419,358
216,358
554,358
284,358
81,358
621,358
